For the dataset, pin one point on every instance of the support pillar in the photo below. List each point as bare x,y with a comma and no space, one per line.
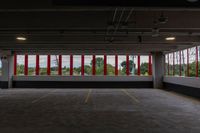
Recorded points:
158,69
7,59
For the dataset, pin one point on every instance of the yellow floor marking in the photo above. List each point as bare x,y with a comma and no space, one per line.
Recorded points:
131,96
42,97
88,96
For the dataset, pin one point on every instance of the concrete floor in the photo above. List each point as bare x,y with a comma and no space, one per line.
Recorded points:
97,111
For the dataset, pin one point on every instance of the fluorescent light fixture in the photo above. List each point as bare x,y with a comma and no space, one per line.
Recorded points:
170,38
20,38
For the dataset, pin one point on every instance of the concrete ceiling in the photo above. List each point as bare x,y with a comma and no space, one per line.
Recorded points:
50,27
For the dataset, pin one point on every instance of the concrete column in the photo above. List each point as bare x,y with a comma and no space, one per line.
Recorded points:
7,69
158,69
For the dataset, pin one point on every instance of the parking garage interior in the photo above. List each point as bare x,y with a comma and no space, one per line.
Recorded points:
99,66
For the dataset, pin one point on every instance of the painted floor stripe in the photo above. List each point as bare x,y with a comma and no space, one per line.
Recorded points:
131,96
88,96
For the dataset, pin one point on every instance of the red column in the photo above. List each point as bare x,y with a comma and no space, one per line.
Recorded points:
82,65
150,65
60,65
188,66
138,65
93,65
180,67
197,62
15,64
105,64
173,65
26,65
127,65
71,64
168,65
49,65
37,65
116,64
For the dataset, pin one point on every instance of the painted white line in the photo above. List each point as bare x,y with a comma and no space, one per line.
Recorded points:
42,97
88,96
134,99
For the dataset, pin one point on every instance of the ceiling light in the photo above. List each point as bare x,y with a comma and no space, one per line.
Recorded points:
20,38
170,38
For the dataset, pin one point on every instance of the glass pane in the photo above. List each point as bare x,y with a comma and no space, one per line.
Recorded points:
184,63
166,64
43,64
66,65
99,65
20,64
77,65
171,64
192,61
54,64
144,65
133,62
122,64
199,59
110,65
176,64
88,65
31,64
0,67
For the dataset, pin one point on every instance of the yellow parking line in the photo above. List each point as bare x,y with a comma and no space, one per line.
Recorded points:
131,96
88,96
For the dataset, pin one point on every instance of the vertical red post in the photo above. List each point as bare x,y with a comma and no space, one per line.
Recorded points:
82,65
138,65
180,67
48,64
37,65
197,62
173,64
105,64
15,64
93,65
127,65
60,65
188,65
116,64
168,64
26,65
150,66
71,64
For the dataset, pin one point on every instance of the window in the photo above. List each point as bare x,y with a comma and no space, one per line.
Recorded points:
144,65
133,64
43,64
183,62
0,67
192,62
166,64
99,65
31,64
88,65
54,64
65,65
77,65
122,65
199,61
171,64
176,64
20,64
110,65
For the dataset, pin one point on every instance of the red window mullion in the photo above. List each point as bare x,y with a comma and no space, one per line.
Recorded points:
60,65
127,65
180,67
15,64
197,62
116,65
105,64
82,65
26,65
49,65
37,65
188,66
138,65
150,65
93,65
71,64
168,65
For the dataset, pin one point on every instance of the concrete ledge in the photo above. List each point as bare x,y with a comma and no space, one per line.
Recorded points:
83,78
183,81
